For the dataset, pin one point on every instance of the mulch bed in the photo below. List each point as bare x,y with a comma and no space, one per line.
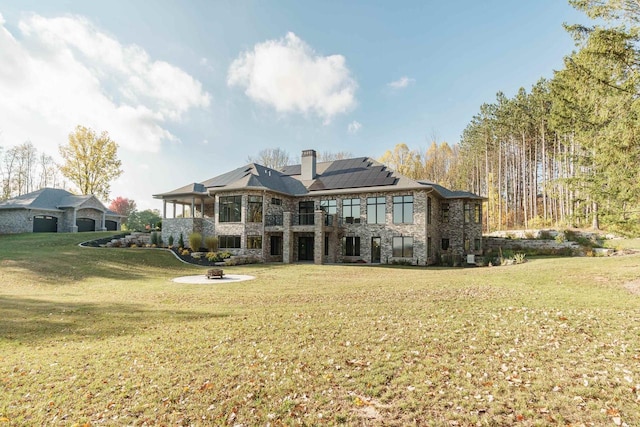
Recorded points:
203,261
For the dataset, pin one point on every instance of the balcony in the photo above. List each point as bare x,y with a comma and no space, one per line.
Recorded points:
273,221
303,219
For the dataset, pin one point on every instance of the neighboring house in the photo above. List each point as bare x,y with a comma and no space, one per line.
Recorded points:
351,210
56,211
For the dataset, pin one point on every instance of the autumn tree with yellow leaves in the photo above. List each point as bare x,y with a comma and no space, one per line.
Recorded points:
91,161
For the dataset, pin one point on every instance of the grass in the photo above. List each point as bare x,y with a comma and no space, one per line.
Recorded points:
92,336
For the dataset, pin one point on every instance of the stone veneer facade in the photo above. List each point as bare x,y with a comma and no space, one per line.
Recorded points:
464,237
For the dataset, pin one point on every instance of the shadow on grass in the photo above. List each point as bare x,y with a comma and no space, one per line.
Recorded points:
31,320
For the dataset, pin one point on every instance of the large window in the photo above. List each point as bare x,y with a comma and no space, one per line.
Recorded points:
229,242
429,247
254,209
445,212
254,242
351,246
478,213
329,206
428,210
230,207
445,244
351,211
403,246
403,209
376,210
467,213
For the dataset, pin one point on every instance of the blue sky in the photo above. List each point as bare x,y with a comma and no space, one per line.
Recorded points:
190,89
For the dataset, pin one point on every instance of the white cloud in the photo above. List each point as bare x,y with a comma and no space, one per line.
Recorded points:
64,71
290,76
401,83
354,127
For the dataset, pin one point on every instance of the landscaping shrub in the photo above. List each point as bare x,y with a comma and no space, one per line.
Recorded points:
181,241
170,240
154,238
211,243
195,240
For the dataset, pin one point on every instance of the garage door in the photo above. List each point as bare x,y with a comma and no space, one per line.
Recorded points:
111,225
85,224
45,224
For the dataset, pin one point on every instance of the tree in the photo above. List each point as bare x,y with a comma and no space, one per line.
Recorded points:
123,206
145,220
327,156
91,161
274,158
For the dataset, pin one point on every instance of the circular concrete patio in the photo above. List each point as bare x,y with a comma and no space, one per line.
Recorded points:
201,279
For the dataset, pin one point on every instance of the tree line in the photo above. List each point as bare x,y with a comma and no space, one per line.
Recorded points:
564,152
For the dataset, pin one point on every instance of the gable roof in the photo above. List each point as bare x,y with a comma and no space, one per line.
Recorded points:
338,176
450,194
50,199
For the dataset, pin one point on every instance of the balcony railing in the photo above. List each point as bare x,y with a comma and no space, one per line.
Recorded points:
273,220
303,219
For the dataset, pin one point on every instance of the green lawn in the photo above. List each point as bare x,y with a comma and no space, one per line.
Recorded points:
92,336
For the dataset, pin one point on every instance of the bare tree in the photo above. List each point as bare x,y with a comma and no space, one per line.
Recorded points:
274,158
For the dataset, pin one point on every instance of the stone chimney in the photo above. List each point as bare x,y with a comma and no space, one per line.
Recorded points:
308,165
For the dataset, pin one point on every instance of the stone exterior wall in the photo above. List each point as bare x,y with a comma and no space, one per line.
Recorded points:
91,214
17,221
421,229
494,244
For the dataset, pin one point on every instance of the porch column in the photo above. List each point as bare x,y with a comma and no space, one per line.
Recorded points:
174,209
103,226
287,239
164,209
318,237
74,225
193,207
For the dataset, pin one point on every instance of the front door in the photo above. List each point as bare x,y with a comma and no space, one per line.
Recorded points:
375,250
305,248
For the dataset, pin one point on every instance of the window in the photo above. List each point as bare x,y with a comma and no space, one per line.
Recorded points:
467,245
229,242
275,201
467,213
230,208
329,206
445,212
403,209
254,242
478,213
352,246
276,245
403,246
254,211
351,211
376,210
445,244
305,213
477,244
428,247
428,210
326,245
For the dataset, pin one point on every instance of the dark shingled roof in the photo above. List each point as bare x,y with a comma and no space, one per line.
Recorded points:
48,199
449,194
338,175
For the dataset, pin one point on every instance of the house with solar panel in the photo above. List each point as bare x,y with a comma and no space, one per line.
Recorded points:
350,210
